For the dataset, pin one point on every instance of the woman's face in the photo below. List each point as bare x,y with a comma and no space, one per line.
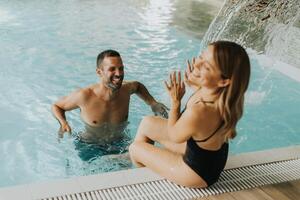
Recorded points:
206,73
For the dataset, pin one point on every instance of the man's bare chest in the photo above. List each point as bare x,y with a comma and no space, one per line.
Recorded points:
97,111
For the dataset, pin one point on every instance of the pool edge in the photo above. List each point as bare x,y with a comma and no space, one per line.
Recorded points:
45,189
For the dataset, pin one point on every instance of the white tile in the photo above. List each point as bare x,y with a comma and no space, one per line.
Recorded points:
15,193
54,188
261,157
101,181
141,175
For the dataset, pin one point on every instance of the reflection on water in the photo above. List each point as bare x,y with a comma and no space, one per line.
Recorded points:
106,139
194,17
83,158
190,16
91,151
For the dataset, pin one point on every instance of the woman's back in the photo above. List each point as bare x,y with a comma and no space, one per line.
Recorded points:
208,122
206,150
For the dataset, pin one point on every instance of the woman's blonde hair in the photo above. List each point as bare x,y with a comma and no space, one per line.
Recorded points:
233,61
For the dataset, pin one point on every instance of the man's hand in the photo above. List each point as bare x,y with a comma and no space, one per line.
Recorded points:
160,109
65,127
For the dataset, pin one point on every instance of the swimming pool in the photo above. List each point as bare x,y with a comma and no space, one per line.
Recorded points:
48,49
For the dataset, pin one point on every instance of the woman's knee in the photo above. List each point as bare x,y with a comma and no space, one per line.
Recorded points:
131,148
152,123
147,121
134,148
151,129
145,125
134,154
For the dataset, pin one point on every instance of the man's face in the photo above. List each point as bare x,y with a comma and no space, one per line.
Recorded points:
111,72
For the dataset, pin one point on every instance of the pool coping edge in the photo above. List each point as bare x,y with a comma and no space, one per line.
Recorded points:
79,184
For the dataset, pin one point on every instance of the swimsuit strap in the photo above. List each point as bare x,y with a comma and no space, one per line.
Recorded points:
205,102
201,100
204,140
187,102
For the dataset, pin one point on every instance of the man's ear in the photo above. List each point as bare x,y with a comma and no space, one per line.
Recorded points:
99,71
224,82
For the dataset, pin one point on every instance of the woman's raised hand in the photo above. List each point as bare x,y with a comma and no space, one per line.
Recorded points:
188,79
176,88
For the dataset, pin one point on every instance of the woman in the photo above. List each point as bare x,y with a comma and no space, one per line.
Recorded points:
196,141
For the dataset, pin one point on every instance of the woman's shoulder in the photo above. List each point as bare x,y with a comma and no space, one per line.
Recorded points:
201,106
202,111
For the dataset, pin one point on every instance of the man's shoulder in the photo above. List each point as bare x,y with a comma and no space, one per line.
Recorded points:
131,86
84,93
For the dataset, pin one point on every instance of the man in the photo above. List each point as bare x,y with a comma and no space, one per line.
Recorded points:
104,106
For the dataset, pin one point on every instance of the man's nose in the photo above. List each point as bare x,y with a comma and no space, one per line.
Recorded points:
118,72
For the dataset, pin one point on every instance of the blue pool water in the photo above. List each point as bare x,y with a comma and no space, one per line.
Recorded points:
49,48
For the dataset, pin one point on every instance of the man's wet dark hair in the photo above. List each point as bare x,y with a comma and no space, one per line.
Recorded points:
106,53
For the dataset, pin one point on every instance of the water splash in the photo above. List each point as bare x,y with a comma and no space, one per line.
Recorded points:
271,27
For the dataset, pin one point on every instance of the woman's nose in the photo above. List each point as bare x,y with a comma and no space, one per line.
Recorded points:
198,62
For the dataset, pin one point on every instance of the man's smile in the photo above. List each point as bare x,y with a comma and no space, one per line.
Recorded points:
117,79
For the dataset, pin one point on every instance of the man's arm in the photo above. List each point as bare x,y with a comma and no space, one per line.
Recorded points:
157,107
64,104
139,89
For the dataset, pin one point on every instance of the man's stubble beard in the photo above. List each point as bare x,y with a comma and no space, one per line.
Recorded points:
115,87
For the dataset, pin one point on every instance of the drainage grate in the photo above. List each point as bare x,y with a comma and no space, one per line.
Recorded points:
230,180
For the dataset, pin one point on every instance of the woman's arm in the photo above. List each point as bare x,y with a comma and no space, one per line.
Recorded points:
180,128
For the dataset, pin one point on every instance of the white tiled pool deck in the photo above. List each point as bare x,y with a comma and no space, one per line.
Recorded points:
132,176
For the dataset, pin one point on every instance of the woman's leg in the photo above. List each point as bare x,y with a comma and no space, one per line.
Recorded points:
154,129
166,163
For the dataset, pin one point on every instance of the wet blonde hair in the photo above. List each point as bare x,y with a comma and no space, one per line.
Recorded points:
234,64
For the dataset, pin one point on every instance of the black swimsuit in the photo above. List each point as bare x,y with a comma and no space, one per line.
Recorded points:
208,164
